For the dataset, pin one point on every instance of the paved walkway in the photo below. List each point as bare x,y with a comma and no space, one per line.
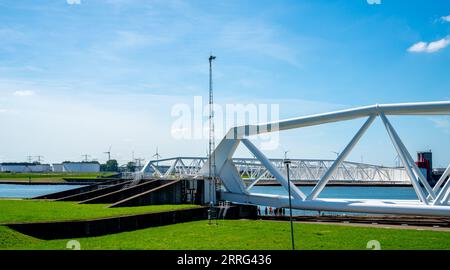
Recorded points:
372,225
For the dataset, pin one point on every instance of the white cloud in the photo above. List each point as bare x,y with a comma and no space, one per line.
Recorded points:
73,2
446,18
424,47
24,93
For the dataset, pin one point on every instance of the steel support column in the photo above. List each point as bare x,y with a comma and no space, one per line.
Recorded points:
326,177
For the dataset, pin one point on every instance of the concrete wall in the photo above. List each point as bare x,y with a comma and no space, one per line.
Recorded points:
102,226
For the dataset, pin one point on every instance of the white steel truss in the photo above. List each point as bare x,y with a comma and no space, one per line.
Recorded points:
431,201
252,170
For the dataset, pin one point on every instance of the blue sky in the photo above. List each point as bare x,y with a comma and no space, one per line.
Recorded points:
77,78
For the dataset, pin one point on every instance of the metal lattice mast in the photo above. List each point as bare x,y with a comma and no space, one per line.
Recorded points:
212,162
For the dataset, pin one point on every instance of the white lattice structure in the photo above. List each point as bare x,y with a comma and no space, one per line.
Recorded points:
253,170
430,201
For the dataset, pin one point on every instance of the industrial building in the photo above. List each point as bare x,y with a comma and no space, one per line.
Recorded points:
24,167
425,164
84,166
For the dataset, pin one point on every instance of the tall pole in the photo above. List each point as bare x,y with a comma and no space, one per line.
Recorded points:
39,158
287,162
157,156
212,167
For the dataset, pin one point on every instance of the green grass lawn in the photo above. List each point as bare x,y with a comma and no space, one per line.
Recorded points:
51,177
242,235
12,211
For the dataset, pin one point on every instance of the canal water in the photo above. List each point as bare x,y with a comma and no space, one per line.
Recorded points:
30,191
344,192
348,192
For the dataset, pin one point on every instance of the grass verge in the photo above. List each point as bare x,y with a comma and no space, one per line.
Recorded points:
14,211
242,235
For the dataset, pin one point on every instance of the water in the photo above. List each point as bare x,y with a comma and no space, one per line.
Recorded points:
342,192
350,192
30,191
405,193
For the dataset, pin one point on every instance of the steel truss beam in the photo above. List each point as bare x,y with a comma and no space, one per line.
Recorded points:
433,202
251,170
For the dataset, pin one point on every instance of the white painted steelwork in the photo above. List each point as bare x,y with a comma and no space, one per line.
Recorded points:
253,171
431,201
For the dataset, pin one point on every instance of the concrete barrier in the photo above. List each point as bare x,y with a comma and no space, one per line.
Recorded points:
103,226
122,194
69,192
168,193
94,193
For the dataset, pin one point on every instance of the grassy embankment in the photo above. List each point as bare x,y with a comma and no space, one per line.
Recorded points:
242,235
51,177
229,234
12,211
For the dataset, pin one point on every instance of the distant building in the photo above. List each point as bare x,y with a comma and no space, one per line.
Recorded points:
84,166
57,167
24,167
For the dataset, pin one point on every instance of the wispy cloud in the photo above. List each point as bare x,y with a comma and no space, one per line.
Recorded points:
24,93
431,47
26,68
129,39
445,18
259,38
441,123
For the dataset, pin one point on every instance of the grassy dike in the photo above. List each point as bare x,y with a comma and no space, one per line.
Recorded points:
15,211
198,235
242,235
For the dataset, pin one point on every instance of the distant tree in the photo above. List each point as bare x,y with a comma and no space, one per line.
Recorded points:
112,166
103,168
131,166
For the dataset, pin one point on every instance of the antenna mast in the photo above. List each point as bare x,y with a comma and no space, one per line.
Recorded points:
212,163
